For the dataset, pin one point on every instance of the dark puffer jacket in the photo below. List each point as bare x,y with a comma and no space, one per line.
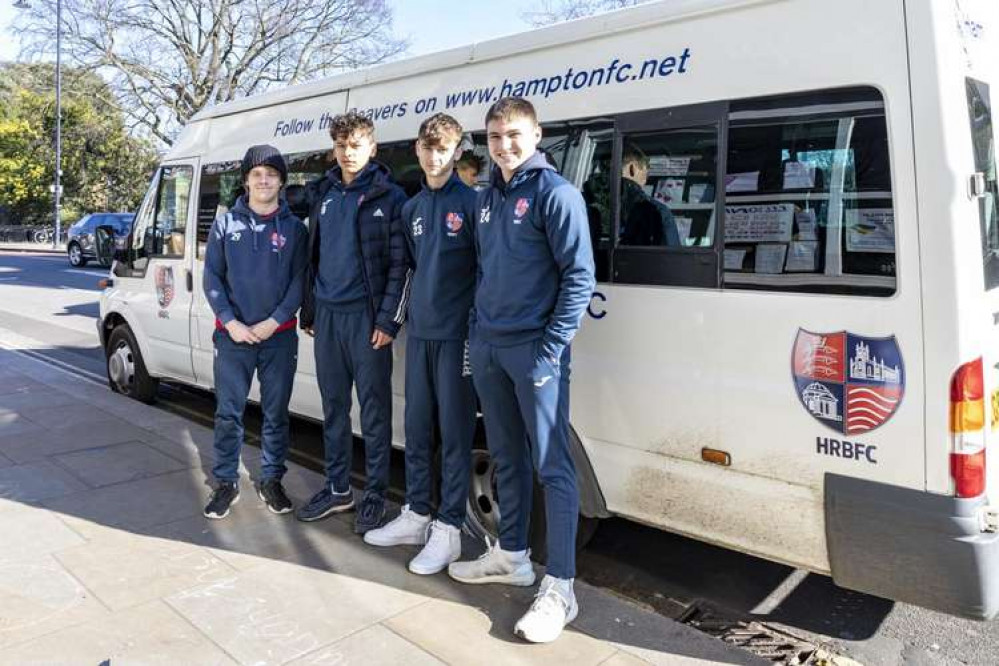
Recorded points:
380,241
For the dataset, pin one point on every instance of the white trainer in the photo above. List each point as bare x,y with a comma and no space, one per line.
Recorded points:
495,566
554,607
407,529
443,547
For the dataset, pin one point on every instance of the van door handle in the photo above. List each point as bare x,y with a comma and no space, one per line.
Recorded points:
190,280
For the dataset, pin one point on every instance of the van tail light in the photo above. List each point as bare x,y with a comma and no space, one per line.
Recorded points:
967,429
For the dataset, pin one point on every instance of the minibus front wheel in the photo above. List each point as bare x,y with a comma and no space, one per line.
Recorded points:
126,370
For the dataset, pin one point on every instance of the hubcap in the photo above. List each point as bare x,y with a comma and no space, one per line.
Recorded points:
74,254
483,513
121,367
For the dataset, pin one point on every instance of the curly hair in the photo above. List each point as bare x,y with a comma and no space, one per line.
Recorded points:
346,124
508,108
440,129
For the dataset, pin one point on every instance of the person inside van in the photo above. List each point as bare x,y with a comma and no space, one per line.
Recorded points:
644,221
354,306
468,167
535,280
441,252
254,271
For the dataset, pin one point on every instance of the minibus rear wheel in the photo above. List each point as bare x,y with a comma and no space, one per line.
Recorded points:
126,370
482,517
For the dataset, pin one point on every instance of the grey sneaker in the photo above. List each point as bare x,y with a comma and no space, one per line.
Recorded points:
226,494
325,503
370,515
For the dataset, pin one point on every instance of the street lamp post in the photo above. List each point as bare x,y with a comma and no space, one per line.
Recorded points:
57,185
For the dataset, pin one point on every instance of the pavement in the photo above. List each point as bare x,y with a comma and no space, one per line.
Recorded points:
105,558
32,247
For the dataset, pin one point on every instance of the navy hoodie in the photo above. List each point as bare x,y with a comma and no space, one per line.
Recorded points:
254,266
535,259
441,252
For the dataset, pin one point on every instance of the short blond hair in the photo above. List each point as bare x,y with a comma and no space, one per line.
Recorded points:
440,129
509,108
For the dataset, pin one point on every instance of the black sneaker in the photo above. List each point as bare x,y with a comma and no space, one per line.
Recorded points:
325,503
271,493
226,494
370,515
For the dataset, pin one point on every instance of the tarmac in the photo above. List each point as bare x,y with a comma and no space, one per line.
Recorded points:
106,559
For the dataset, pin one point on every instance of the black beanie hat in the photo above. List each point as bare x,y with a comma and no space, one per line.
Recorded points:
264,155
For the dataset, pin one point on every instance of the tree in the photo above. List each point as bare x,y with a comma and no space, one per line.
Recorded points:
168,59
557,11
103,167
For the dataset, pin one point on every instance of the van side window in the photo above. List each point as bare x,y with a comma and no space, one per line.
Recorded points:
171,211
667,189
808,197
400,157
220,187
983,143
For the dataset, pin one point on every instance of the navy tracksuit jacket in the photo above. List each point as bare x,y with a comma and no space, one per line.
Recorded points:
441,254
254,270
536,277
357,278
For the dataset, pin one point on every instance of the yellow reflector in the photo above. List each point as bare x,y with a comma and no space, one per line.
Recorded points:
716,457
967,416
995,409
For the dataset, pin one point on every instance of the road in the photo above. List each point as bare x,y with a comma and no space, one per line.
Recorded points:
43,299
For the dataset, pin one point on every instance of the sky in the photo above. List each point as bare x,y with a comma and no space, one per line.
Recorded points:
430,25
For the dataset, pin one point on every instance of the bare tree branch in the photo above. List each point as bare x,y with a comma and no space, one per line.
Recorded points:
168,59
558,11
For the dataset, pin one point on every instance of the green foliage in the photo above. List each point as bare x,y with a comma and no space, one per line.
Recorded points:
103,167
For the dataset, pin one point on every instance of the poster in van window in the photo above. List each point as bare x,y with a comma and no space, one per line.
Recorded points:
759,223
870,230
850,383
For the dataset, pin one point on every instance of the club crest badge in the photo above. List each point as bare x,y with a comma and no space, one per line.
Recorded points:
278,241
850,383
164,285
454,222
520,210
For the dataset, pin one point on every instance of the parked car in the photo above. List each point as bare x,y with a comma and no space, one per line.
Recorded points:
82,238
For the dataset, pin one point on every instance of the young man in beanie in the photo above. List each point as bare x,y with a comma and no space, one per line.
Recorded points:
254,269
354,307
535,281
441,252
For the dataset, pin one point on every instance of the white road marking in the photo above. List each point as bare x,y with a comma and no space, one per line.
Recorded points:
77,271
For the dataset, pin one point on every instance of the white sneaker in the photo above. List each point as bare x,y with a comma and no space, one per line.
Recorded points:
443,547
407,529
554,607
495,566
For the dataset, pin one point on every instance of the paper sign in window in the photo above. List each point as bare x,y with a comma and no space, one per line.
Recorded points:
734,259
799,175
870,230
669,166
770,258
748,181
759,223
807,226
802,257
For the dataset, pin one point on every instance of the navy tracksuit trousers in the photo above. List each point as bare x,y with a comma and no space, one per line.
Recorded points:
439,385
345,357
275,361
525,404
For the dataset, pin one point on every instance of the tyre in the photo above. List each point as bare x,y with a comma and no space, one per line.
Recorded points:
76,258
483,513
126,369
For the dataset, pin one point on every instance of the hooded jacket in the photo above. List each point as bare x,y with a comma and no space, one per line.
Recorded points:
535,275
440,248
378,239
255,266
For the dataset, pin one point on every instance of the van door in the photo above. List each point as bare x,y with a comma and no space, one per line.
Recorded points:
156,281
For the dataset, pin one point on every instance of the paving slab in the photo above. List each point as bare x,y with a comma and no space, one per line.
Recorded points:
17,424
29,532
484,635
33,399
42,443
76,417
277,612
374,646
107,465
124,570
138,505
151,635
38,596
37,481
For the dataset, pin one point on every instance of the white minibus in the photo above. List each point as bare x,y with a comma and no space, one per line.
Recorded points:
809,374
